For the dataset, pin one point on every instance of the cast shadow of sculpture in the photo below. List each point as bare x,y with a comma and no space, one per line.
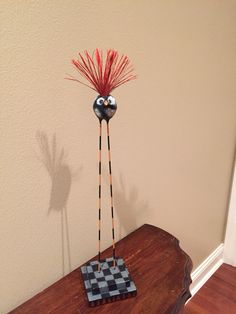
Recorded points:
54,160
129,208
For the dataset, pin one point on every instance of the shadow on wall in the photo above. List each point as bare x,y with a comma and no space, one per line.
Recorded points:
128,206
54,160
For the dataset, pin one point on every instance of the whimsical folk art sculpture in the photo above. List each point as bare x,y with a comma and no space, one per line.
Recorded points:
109,279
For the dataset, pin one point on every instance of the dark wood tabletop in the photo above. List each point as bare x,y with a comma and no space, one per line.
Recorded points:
159,267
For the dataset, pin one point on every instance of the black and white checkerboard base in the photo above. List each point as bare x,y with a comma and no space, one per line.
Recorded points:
109,284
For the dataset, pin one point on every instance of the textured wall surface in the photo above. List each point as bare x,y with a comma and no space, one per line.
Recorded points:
172,138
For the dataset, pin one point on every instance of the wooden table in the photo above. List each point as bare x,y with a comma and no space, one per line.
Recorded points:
159,268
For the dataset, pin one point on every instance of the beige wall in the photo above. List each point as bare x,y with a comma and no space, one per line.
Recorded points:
172,138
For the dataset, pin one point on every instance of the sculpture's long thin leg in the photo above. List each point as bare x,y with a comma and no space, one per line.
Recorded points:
99,193
111,196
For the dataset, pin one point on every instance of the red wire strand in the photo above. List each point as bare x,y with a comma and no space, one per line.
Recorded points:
105,76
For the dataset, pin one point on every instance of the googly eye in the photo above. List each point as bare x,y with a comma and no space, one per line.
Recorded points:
100,101
111,100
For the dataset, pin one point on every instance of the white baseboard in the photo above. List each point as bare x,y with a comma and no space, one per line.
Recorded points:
206,269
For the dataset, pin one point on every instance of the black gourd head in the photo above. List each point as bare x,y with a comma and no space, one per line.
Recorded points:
104,107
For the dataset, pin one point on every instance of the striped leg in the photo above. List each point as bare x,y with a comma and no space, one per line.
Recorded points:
99,194
111,194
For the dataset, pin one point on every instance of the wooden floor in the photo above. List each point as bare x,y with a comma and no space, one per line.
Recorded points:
217,296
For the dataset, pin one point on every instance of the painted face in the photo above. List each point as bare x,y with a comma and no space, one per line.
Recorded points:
106,100
105,107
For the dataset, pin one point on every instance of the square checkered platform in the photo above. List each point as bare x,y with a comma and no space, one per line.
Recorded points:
109,284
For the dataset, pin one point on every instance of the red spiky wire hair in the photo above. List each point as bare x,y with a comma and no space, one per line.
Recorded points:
103,74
